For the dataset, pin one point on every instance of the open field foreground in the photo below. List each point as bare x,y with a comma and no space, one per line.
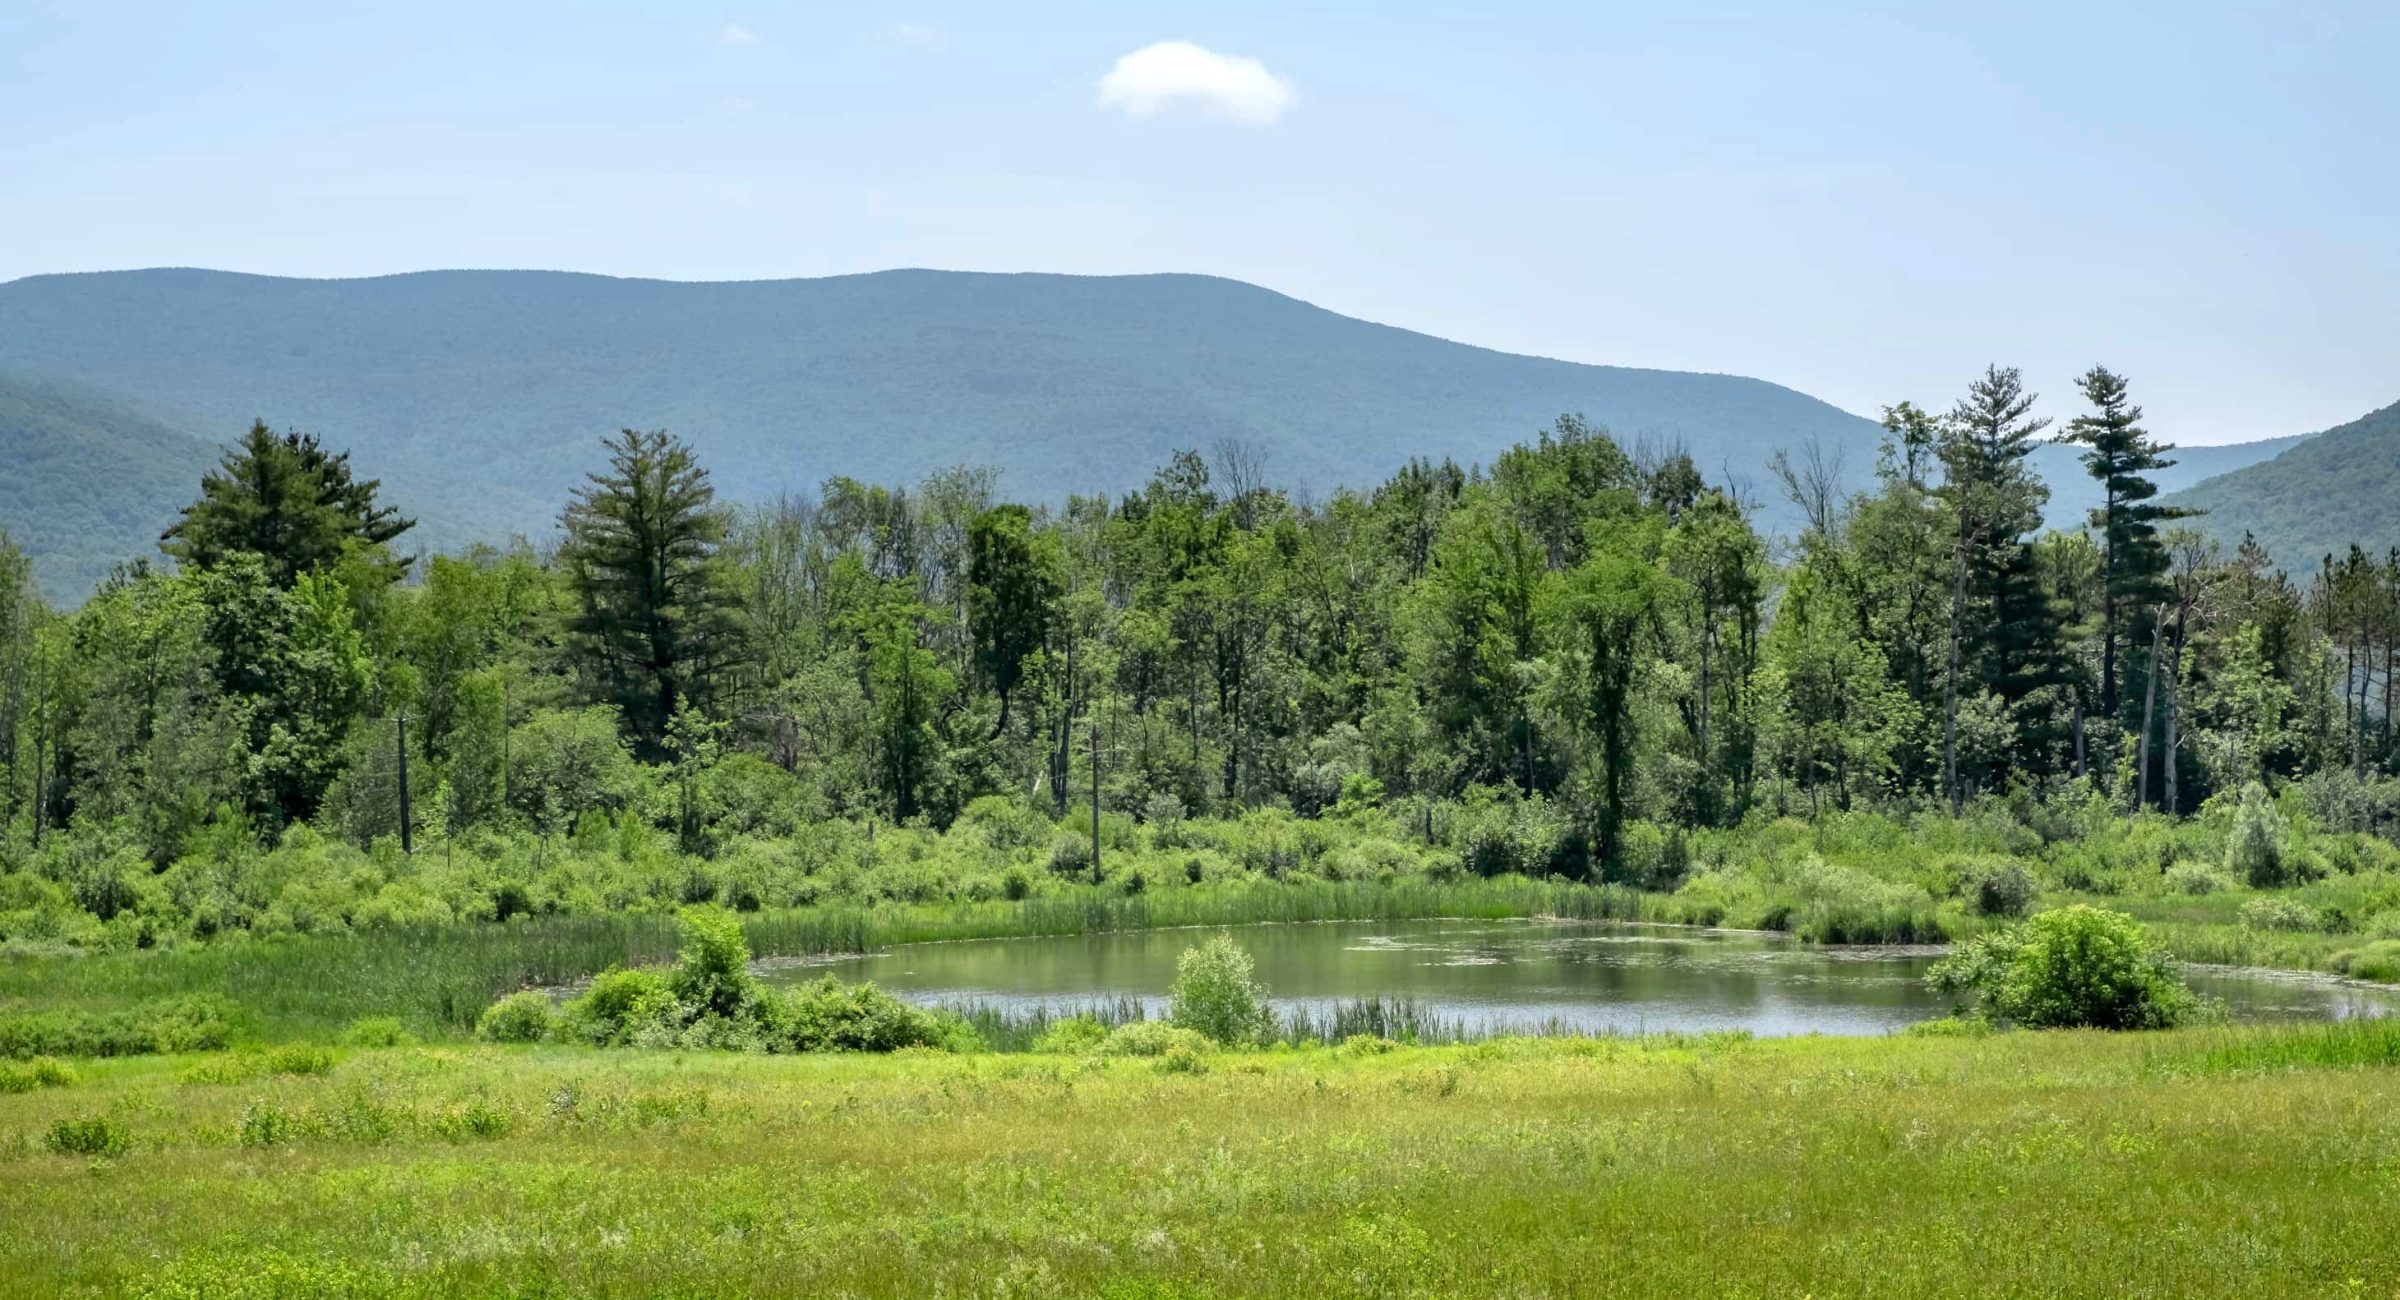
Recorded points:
2197,1162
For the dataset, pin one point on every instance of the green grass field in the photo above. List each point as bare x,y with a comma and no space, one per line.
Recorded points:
2205,1162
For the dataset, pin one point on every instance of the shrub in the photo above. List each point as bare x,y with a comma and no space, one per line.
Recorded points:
1183,1058
1216,996
376,1031
300,1059
2279,914
620,1006
826,1015
525,1017
1152,1038
97,1136
1999,887
2195,877
2076,966
40,1072
1366,1045
1073,1035
2254,848
712,962
195,1024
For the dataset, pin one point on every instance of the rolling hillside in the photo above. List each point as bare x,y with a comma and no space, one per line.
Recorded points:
482,395
2338,487
88,480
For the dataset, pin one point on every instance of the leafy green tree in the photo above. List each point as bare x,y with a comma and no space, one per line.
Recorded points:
1012,597
292,503
1217,995
657,606
1612,605
293,664
910,691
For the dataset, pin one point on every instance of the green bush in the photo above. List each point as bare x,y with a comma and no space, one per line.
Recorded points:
826,1015
2279,914
40,1072
712,962
2076,966
2197,878
376,1031
300,1059
1366,1045
1216,996
97,1136
1999,887
1072,1036
623,1006
2254,848
1183,1058
526,1017
194,1024
1152,1038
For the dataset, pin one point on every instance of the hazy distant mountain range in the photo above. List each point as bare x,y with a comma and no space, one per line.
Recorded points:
479,397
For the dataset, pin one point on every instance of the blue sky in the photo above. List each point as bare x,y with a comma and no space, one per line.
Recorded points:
1866,202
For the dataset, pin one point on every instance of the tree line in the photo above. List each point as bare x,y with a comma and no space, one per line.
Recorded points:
1580,623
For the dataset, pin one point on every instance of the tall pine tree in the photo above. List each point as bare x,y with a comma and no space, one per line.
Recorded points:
2121,456
656,620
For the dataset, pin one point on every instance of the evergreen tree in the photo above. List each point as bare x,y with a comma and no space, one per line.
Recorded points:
1994,500
285,499
2121,456
657,619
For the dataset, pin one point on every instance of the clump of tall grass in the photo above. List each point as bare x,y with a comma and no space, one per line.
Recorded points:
2341,1044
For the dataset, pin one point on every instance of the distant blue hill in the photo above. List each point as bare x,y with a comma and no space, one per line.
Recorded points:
481,395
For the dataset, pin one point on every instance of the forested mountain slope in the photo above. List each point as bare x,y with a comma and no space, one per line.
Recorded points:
2074,494
86,480
2339,487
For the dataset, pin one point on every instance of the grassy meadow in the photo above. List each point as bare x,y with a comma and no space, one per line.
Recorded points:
2186,1163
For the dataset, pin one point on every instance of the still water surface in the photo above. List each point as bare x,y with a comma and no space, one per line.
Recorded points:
1493,975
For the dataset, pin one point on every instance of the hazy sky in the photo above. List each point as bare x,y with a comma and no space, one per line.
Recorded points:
1866,202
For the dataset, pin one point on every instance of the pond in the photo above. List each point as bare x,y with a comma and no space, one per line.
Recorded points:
1493,976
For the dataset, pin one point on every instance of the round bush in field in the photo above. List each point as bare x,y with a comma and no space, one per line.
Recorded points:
518,1018
1216,996
1999,886
1151,1038
2072,967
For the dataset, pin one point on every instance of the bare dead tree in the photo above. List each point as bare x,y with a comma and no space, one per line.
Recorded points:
1812,482
1240,465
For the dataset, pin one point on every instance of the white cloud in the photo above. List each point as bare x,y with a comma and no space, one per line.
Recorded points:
736,34
917,36
1172,75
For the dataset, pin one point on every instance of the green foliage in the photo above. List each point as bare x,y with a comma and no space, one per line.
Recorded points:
40,1072
1072,1036
97,1135
1999,887
526,1017
291,503
376,1031
712,963
197,1023
826,1015
2072,967
1154,1038
1216,995
2281,914
2254,849
655,617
